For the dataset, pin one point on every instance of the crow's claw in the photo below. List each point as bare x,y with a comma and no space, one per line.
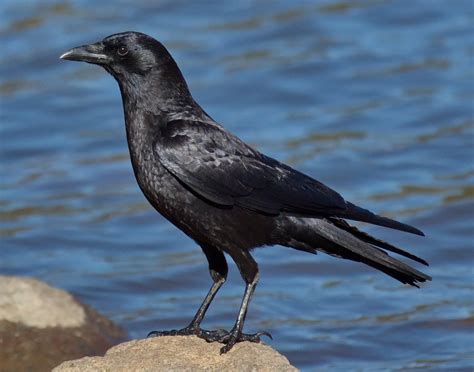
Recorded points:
231,338
219,335
188,331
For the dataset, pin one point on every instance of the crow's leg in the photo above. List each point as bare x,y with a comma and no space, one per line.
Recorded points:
249,270
218,270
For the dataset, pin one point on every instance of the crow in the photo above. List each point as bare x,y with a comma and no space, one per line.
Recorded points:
224,194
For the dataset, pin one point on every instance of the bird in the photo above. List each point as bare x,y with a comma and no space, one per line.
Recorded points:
223,193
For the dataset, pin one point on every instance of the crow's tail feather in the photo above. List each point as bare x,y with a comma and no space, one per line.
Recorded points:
353,212
342,240
374,241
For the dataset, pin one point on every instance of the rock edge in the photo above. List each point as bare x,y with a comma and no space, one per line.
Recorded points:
181,353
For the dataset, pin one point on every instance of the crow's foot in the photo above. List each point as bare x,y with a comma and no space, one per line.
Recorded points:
231,338
187,331
190,330
220,335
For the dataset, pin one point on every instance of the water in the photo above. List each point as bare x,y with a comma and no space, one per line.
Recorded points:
374,98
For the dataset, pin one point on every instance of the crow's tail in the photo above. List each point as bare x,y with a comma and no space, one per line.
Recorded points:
337,238
374,241
353,212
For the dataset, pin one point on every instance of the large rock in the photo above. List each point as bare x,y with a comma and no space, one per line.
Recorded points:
41,326
181,353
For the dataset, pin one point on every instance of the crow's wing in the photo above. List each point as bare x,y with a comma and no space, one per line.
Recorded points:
222,169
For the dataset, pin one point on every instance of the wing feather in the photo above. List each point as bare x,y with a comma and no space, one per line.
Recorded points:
224,170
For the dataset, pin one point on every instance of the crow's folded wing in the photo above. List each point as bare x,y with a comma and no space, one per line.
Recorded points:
222,169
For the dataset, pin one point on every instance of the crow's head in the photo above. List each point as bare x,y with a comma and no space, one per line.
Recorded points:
127,55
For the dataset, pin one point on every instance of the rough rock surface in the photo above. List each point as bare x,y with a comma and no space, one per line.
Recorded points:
181,353
41,326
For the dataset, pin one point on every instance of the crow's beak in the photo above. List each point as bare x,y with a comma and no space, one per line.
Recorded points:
93,53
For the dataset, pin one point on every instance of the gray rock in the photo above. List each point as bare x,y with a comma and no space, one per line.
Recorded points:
41,326
181,353
36,304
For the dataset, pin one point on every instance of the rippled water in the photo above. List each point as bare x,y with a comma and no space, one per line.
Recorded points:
374,98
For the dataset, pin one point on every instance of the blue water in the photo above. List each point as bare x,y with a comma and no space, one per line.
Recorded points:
374,98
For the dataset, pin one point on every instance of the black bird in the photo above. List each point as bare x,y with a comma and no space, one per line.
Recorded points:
221,192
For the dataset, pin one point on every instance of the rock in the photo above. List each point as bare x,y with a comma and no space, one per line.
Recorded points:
181,353
36,304
41,326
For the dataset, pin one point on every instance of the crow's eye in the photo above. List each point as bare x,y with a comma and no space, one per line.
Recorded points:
122,51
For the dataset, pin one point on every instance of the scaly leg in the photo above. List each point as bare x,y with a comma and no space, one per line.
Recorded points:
218,270
249,270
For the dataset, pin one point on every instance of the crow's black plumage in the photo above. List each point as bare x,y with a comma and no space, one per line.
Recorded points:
224,194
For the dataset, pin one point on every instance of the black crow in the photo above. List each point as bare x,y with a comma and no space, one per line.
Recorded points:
221,192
